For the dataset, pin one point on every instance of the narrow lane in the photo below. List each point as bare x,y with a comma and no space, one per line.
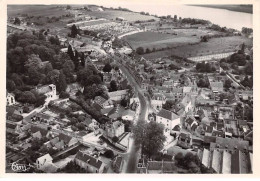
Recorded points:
134,152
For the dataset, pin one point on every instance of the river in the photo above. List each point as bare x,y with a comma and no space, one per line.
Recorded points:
222,17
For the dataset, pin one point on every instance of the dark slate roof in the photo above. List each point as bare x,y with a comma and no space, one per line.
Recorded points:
176,128
35,129
118,161
167,114
89,159
10,125
189,120
65,138
209,139
208,129
235,162
218,133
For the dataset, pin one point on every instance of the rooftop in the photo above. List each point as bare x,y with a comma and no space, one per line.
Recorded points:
88,159
167,115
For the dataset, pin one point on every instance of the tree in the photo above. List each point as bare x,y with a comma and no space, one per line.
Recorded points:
82,59
174,67
168,104
107,68
10,85
140,50
227,83
80,126
115,139
27,97
68,7
17,21
109,154
48,68
54,40
52,77
61,84
124,102
113,86
34,76
147,50
64,95
74,31
76,60
239,58
40,99
68,68
150,136
70,52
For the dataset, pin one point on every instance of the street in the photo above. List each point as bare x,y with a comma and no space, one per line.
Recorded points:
133,155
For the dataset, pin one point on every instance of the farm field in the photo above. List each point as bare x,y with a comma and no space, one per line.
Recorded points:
158,40
213,46
113,14
35,10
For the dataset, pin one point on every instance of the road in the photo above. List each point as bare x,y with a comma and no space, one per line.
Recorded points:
133,155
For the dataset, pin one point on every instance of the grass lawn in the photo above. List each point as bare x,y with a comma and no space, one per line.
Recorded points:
158,40
35,10
113,14
213,46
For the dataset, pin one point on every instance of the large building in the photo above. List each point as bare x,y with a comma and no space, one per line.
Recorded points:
168,119
116,128
90,163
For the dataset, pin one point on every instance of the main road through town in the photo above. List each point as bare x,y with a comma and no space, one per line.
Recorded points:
131,163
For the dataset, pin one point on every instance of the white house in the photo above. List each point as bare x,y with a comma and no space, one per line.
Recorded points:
41,162
128,115
168,119
118,95
157,100
10,100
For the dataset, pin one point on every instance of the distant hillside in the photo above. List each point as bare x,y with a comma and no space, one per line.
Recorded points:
238,8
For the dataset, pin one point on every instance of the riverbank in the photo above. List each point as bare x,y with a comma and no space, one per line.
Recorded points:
237,8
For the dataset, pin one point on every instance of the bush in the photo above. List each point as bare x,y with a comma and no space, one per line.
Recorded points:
109,154
64,95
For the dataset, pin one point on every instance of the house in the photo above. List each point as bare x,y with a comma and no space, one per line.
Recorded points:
116,112
184,140
48,90
116,128
10,99
103,102
39,131
229,144
168,83
128,115
191,123
157,100
117,164
216,87
74,88
118,95
158,167
55,144
226,162
90,163
168,119
184,106
43,161
14,113
216,160
68,140
208,130
107,77
240,162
